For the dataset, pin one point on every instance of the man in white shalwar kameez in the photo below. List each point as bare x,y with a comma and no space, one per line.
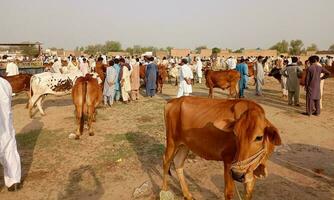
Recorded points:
11,68
186,75
9,157
198,68
125,80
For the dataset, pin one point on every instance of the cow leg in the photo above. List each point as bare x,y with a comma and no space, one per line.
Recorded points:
39,104
167,158
249,187
211,92
179,159
28,94
91,112
32,102
229,183
78,115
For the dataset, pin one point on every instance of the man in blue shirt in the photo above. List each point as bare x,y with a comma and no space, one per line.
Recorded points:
242,68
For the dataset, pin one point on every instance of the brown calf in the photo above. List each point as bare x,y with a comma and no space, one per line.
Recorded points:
19,83
233,131
222,79
86,95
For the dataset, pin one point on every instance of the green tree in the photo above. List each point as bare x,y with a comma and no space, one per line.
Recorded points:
129,50
331,48
312,47
239,50
111,46
216,50
281,47
169,49
198,49
296,47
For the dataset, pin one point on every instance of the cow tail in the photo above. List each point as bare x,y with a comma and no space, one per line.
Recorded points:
30,88
84,91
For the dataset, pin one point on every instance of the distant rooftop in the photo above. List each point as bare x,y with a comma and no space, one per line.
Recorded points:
21,44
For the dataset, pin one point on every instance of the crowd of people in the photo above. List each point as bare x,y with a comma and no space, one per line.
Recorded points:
122,81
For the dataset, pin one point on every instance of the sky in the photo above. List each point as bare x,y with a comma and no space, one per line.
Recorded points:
178,23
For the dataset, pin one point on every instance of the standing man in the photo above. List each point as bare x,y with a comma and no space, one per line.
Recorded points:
11,68
293,72
109,84
135,80
151,75
199,66
186,75
231,63
280,65
259,75
84,67
242,68
117,79
9,157
312,85
125,80
56,66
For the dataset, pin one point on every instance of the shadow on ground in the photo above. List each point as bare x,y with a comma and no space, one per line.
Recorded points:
82,184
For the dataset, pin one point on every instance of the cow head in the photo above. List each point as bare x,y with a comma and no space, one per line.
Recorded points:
276,73
256,138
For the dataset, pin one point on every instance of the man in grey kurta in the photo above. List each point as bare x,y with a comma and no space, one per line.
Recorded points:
259,75
109,84
312,85
293,72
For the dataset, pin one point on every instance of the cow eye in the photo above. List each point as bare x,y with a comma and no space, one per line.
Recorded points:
258,138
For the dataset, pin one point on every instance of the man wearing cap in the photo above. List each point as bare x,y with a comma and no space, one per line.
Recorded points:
186,76
9,157
11,68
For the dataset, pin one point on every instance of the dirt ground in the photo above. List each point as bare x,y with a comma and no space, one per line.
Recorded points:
127,148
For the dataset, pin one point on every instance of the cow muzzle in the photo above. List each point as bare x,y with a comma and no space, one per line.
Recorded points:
238,176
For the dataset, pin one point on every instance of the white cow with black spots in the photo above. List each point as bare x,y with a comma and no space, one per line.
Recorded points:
50,83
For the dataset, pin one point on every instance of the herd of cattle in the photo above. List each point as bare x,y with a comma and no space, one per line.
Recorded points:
235,131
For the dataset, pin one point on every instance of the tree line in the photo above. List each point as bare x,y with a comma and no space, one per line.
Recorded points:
293,47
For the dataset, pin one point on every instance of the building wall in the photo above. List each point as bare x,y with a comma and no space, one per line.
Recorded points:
206,53
249,53
161,54
180,52
120,53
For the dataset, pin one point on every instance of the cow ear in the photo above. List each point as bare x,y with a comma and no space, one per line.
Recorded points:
225,125
241,124
272,133
239,109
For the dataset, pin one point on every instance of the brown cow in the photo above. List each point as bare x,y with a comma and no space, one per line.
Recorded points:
251,73
86,95
19,83
222,79
162,75
233,131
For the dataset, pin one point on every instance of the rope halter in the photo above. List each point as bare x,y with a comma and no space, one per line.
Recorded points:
243,165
